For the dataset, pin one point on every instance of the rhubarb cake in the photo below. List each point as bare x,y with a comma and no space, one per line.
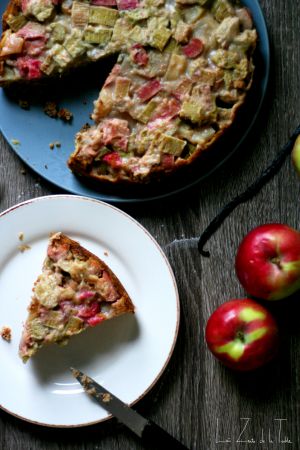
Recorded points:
75,290
183,71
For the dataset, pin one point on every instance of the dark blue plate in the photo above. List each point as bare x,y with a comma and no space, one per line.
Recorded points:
35,130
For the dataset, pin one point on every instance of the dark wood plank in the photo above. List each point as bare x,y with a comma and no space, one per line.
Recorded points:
196,399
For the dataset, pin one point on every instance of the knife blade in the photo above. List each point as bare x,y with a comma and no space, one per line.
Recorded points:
152,435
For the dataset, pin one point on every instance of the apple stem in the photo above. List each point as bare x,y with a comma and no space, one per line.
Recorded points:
240,335
248,194
276,261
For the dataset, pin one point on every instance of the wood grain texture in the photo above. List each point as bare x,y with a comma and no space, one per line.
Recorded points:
197,400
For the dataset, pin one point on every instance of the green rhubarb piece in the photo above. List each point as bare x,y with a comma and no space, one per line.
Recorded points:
61,56
154,24
37,329
176,68
182,32
154,3
184,130
191,149
193,13
245,40
58,32
147,112
122,87
222,9
228,78
138,14
208,76
101,169
191,110
48,65
160,37
80,14
224,116
101,15
54,319
242,70
100,36
122,30
200,106
74,45
47,291
225,59
103,151
132,143
195,66
40,10
184,87
74,325
16,22
139,35
171,47
202,135
174,19
172,145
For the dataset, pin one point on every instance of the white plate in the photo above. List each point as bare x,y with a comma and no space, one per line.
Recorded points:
127,354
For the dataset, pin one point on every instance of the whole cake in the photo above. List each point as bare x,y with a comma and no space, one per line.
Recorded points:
182,73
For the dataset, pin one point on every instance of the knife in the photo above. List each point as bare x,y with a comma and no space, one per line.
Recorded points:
153,436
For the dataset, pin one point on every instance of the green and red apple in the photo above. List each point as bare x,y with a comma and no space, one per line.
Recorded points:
268,261
296,155
242,334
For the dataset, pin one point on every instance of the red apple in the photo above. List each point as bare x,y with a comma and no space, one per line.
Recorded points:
268,261
242,334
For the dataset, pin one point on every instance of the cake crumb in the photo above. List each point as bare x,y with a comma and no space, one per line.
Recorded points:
6,333
57,144
75,372
24,104
106,253
51,145
46,167
106,398
51,110
65,115
85,380
21,236
91,391
24,247
15,142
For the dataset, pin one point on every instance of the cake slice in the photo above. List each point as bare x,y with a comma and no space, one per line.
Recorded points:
76,290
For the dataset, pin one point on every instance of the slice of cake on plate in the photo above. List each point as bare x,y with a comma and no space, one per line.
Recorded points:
75,290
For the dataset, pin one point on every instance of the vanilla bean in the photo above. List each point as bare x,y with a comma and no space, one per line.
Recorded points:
248,194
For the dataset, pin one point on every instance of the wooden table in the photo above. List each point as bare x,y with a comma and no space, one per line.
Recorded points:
197,399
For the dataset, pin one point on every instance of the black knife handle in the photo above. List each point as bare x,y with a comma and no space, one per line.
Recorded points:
155,438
